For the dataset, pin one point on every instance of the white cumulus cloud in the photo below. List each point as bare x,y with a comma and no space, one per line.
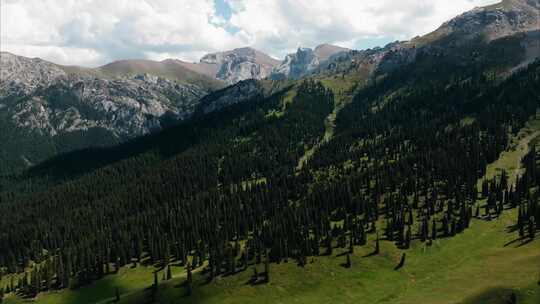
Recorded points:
281,25
93,32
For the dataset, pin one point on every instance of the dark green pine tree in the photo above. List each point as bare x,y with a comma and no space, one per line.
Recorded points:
255,275
513,298
155,286
267,267
329,247
401,262
189,281
408,237
377,246
169,273
246,257
532,227
348,263
485,188
434,230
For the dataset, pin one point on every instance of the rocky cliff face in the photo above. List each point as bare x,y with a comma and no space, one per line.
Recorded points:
43,97
21,76
516,19
495,21
239,64
305,61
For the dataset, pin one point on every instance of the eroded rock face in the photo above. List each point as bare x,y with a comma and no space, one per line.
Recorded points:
20,75
505,19
499,20
42,97
305,61
240,64
298,64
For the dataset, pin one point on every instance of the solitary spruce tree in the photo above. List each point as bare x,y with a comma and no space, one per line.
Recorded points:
401,262
189,281
255,275
267,268
169,273
377,246
348,263
155,286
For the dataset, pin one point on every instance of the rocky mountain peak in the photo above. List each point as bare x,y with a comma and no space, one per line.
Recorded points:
495,21
325,51
305,60
21,75
126,98
239,64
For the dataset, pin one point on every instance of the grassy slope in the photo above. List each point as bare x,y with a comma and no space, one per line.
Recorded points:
343,89
482,265
469,268
169,69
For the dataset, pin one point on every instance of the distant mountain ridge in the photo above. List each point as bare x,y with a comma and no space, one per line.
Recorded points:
305,61
129,98
149,89
46,109
511,22
492,22
247,63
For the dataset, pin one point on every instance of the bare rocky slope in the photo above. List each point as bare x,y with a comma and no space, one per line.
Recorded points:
509,26
46,109
122,97
239,64
305,61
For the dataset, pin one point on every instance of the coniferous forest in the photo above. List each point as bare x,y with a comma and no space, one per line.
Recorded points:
228,190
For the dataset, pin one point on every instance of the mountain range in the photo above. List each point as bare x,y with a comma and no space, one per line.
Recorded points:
407,173
121,100
128,98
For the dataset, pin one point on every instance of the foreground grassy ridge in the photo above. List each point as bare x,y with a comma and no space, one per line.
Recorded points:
473,264
482,265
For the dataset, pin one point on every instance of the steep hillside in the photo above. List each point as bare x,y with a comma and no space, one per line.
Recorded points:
240,64
226,196
509,30
492,22
46,109
235,65
305,61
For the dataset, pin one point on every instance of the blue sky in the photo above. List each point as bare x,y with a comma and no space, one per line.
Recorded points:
223,9
94,32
